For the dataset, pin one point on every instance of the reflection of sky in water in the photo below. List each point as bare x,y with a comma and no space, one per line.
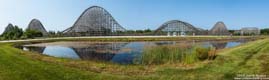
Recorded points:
232,44
205,44
128,57
127,52
219,44
58,51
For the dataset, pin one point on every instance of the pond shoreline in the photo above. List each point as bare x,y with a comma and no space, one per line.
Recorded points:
132,38
51,43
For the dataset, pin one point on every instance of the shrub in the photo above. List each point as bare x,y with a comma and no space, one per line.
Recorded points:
202,53
205,53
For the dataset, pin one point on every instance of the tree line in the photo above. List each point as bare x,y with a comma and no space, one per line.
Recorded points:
14,32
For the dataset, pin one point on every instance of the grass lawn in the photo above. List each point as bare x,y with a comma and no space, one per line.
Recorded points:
249,58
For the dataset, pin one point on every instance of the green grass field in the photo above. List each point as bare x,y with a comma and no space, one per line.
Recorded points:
249,58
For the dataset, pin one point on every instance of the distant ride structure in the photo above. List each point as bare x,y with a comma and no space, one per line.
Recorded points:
8,28
177,28
35,24
95,21
219,29
248,31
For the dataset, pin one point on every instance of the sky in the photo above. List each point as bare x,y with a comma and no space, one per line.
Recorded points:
58,15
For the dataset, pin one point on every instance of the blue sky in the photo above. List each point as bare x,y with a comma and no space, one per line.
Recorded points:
138,14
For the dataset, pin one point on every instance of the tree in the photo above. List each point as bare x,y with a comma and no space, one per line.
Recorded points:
139,31
55,34
52,34
231,31
32,33
147,31
14,32
265,31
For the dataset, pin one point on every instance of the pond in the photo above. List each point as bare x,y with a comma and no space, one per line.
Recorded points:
115,52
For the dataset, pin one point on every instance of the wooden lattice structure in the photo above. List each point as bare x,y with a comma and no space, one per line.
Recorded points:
219,29
176,27
35,24
95,21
